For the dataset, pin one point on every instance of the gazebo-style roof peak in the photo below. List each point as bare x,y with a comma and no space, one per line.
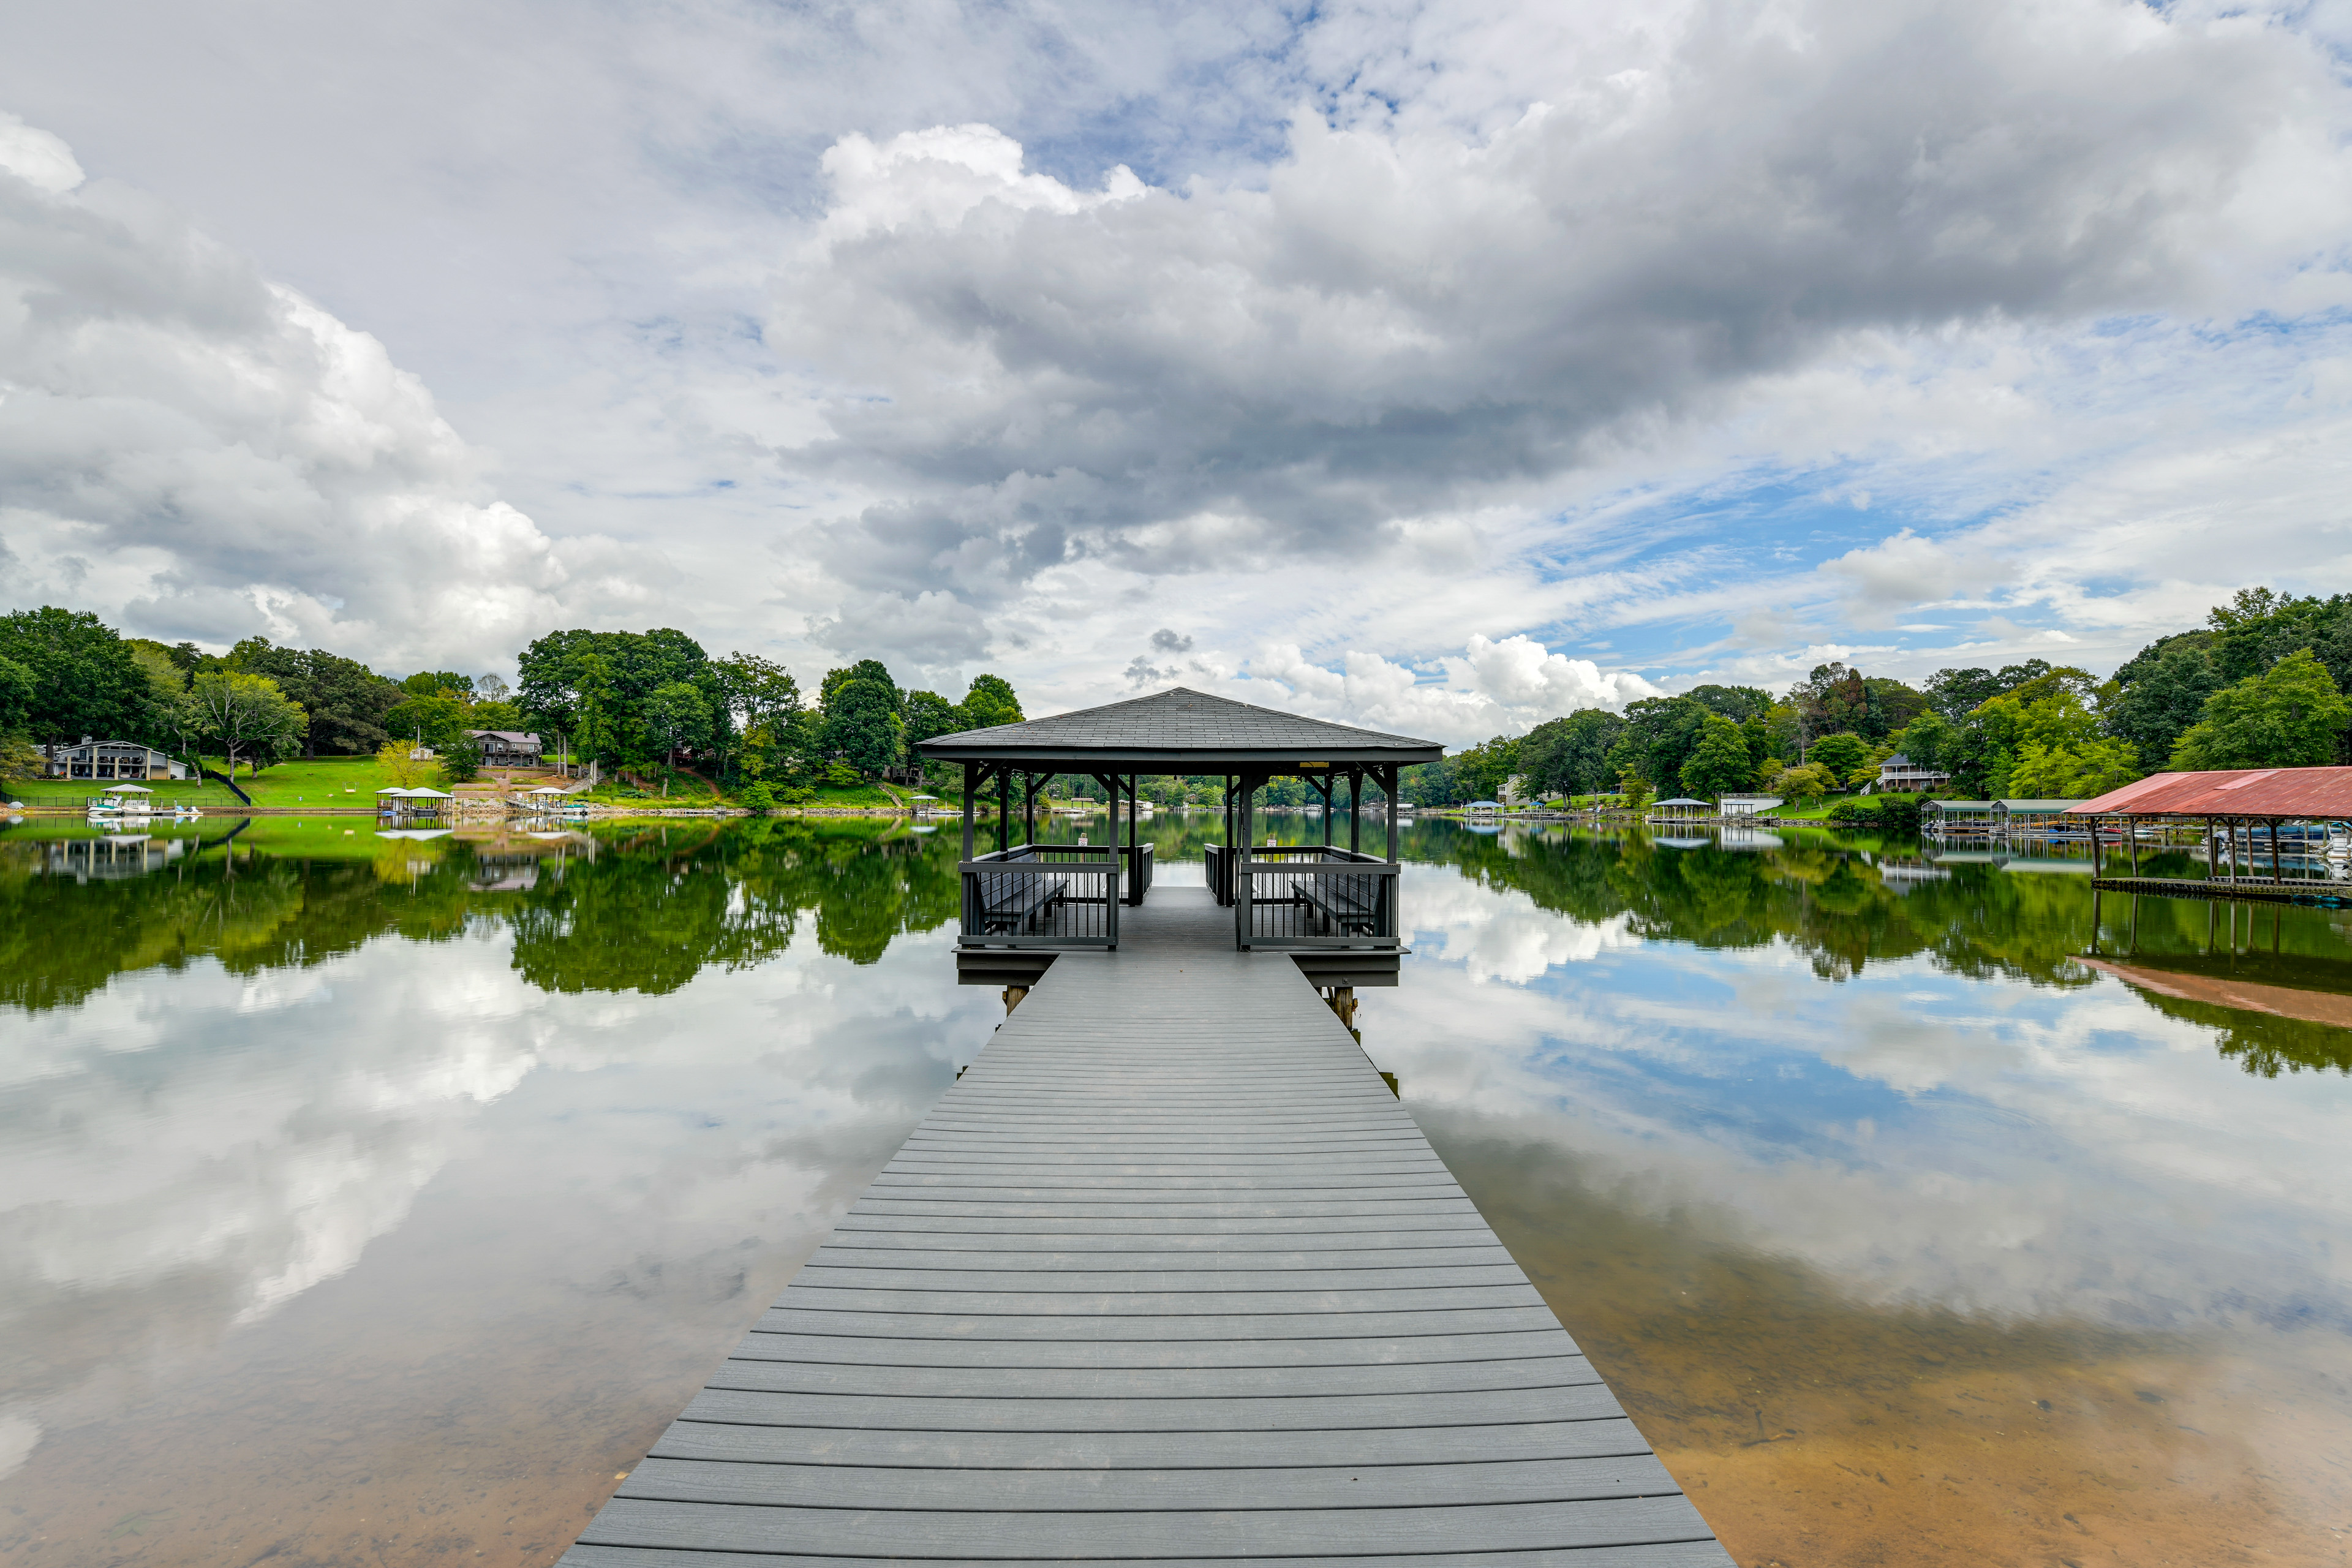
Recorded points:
1179,730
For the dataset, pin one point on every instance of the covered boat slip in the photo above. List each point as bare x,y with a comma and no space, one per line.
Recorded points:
1192,1290
2266,833
1066,896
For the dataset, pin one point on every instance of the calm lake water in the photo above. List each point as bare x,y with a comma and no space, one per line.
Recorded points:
369,1200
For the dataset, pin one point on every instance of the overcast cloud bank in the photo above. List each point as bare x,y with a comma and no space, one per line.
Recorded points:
1483,365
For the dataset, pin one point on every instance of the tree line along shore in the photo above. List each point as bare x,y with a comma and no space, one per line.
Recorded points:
2260,684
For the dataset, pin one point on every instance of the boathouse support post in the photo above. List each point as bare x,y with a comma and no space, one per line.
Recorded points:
1387,777
1355,811
972,772
1003,808
1244,883
2278,871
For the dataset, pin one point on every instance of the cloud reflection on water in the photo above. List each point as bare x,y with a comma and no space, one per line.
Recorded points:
1918,1136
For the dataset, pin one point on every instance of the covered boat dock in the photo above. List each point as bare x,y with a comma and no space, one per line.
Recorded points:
1167,1275
2266,834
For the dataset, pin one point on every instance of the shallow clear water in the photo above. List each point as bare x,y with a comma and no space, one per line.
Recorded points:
379,1200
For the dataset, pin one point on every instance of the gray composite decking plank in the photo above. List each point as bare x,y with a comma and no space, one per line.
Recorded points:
1101,1164
791,1375
938,1205
1107,1277
1163,1304
1281,1532
962,1251
1366,1228
1104,1490
751,1442
965,1327
1273,1413
875,1350
1677,1554
1190,1292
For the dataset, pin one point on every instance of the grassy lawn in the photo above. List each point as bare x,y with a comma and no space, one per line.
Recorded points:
329,781
73,791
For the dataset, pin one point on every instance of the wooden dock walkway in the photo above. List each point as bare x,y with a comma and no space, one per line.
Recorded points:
1169,1275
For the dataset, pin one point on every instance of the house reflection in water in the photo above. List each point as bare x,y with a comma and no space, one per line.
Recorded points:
111,858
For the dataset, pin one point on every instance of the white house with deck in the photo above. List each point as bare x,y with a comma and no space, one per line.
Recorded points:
110,760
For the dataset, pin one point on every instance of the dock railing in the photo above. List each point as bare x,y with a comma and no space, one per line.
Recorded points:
1042,895
1315,896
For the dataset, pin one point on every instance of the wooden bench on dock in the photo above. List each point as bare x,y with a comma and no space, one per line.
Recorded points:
1022,906
1340,903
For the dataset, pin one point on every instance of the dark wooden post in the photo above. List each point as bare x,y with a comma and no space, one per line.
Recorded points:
1355,811
2278,872
1388,782
1004,807
2095,877
1243,882
2131,825
971,789
1028,808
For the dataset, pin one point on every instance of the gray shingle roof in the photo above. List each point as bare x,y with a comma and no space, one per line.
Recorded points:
1179,725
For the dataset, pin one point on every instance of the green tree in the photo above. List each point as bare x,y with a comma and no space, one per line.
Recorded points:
989,701
862,723
462,761
246,716
2164,692
1634,788
1839,755
2089,767
1927,740
424,682
2288,717
678,719
1719,764
436,721
16,694
1809,782
1570,755
347,702
1660,734
86,680
593,686
1737,703
756,698
396,767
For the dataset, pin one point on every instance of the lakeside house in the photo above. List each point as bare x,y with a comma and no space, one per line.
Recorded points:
110,760
1899,774
507,748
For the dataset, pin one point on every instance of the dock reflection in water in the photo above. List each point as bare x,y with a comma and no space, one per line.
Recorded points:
379,1200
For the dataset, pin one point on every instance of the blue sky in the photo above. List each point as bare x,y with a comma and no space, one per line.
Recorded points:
1560,354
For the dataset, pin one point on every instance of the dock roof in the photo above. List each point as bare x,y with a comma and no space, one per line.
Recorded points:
1178,731
2287,793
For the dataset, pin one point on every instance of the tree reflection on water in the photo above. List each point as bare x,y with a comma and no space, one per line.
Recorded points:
638,908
